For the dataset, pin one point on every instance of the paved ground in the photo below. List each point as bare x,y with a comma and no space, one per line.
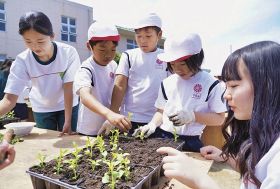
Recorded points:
225,176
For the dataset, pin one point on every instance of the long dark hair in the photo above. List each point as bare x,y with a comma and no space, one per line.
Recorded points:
37,21
250,140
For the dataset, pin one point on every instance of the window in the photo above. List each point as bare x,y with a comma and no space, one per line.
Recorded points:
2,57
131,44
68,29
2,17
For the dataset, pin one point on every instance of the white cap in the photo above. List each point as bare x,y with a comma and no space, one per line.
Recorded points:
103,32
151,19
178,48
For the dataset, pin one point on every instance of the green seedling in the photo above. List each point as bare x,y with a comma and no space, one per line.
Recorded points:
76,151
73,164
89,147
41,159
58,159
114,139
9,115
175,135
94,163
100,144
141,135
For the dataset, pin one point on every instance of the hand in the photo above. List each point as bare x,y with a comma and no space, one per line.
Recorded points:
182,118
184,169
105,128
66,130
9,158
148,129
212,153
119,121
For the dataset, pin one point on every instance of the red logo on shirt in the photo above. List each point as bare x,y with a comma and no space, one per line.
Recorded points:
159,61
197,88
112,74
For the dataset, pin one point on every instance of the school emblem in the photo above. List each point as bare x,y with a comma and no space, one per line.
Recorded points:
197,91
159,64
112,74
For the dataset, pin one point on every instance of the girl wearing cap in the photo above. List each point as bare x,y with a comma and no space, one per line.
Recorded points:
188,100
50,66
139,74
252,76
95,79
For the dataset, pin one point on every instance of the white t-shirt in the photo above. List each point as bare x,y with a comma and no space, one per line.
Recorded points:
47,94
190,94
144,79
267,170
101,81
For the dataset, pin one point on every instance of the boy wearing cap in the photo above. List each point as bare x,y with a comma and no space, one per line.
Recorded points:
188,100
139,74
94,81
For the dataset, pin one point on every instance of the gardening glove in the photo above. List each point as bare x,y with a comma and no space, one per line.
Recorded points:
182,117
148,129
105,128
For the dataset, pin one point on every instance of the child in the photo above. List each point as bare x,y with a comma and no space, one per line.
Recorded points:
95,79
252,76
188,99
139,74
50,66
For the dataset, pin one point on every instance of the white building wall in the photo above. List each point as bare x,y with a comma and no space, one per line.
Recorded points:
11,42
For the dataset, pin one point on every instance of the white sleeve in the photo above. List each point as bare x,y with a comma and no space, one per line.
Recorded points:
123,67
272,181
73,65
83,78
216,102
160,102
18,78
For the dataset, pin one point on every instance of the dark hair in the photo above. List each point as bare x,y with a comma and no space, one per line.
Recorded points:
37,21
193,63
251,139
157,29
6,65
93,43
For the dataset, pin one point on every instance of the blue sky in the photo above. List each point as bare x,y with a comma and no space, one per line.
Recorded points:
222,24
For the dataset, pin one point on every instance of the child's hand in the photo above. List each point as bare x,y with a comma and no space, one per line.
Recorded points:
212,153
146,129
119,121
9,158
105,128
66,130
182,118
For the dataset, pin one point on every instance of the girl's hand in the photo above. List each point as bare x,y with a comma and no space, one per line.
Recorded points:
119,121
212,153
184,169
10,151
66,130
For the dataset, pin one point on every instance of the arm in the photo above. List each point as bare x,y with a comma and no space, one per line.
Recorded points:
68,104
7,103
10,151
184,169
157,118
119,91
210,118
94,105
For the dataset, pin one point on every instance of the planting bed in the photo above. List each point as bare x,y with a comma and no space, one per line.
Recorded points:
134,164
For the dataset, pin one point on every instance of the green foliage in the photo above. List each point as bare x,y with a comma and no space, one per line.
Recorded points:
140,135
41,158
94,163
100,144
9,115
73,164
58,159
89,147
175,135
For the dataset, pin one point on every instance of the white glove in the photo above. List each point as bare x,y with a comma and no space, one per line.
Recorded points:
148,129
105,128
182,117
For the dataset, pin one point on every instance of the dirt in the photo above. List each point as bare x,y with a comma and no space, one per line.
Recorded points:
142,156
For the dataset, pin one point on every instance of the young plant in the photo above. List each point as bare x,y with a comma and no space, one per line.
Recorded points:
76,151
73,164
175,135
94,163
114,139
89,147
100,144
41,159
141,135
58,159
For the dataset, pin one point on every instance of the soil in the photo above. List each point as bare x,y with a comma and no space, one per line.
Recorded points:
142,155
6,120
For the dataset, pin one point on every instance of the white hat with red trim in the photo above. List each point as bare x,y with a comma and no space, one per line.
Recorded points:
103,32
179,48
152,19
